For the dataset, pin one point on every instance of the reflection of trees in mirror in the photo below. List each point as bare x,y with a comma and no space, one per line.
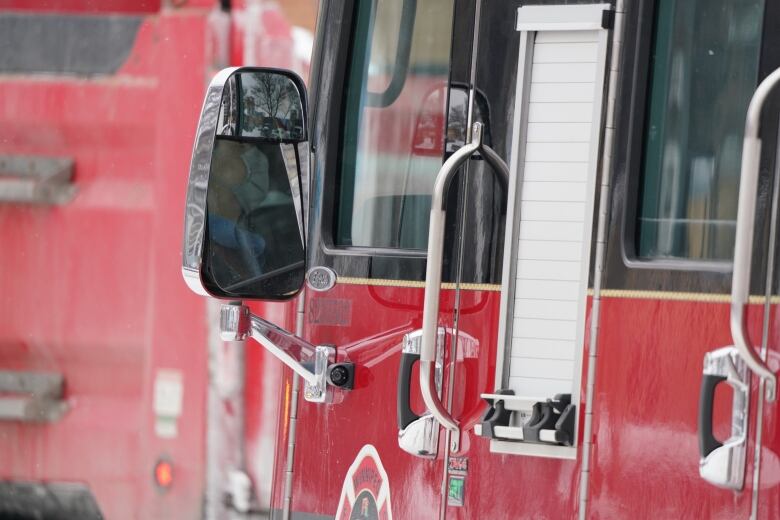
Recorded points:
272,107
253,244
458,112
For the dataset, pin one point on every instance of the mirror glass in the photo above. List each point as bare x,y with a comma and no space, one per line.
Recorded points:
429,134
262,104
254,235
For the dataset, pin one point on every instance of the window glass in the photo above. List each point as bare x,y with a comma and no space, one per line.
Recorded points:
393,131
704,68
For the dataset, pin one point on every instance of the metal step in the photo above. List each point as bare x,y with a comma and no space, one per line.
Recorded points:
31,396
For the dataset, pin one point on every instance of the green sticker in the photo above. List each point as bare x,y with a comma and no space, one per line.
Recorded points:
455,492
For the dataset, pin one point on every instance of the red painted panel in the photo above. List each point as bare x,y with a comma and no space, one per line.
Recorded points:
92,289
646,456
645,461
266,378
330,436
84,6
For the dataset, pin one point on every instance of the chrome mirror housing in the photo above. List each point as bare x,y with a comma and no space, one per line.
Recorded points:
243,220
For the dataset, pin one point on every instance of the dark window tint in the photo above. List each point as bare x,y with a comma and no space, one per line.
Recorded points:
704,68
393,129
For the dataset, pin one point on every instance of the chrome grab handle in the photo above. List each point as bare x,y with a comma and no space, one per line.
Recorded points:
724,464
434,268
743,246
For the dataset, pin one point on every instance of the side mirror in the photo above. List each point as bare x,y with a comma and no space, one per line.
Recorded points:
429,134
243,222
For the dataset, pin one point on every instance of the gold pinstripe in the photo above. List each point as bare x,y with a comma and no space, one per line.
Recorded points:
678,296
415,284
605,293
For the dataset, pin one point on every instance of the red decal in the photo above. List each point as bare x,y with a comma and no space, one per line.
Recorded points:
365,494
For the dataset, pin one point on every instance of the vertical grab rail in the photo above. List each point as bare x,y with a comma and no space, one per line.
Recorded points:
743,247
434,268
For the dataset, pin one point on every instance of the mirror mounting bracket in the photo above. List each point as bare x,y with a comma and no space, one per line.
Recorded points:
314,363
317,392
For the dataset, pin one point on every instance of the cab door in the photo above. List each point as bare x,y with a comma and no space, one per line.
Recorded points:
398,89
674,307
379,92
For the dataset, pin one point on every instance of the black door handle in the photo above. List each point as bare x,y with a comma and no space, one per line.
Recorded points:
405,414
707,441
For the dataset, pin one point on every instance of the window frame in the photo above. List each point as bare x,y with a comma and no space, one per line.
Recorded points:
331,186
330,62
373,100
625,269
355,264
636,158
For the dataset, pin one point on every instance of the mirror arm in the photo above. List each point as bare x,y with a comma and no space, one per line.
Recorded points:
236,323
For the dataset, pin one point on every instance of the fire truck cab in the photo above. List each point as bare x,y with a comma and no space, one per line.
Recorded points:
530,250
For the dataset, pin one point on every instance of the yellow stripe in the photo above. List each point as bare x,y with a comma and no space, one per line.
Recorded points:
380,282
605,293
678,296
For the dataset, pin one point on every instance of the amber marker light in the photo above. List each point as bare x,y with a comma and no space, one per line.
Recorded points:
163,473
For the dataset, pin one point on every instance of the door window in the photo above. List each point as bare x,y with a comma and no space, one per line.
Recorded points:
704,67
394,118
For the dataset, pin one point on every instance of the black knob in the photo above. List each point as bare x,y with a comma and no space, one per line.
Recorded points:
339,375
342,375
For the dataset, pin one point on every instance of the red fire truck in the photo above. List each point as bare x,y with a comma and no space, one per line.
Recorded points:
117,398
529,249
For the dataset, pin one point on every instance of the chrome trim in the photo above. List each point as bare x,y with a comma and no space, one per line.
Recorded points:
725,465
411,342
197,186
452,440
321,278
743,247
770,274
318,392
294,164
433,279
434,268
615,44
421,437
237,324
293,415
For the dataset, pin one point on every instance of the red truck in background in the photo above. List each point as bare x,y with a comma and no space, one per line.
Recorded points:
117,398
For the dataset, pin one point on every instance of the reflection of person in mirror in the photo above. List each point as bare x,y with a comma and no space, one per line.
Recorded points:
238,184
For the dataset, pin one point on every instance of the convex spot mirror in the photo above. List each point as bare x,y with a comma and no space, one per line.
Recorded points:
243,222
433,136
